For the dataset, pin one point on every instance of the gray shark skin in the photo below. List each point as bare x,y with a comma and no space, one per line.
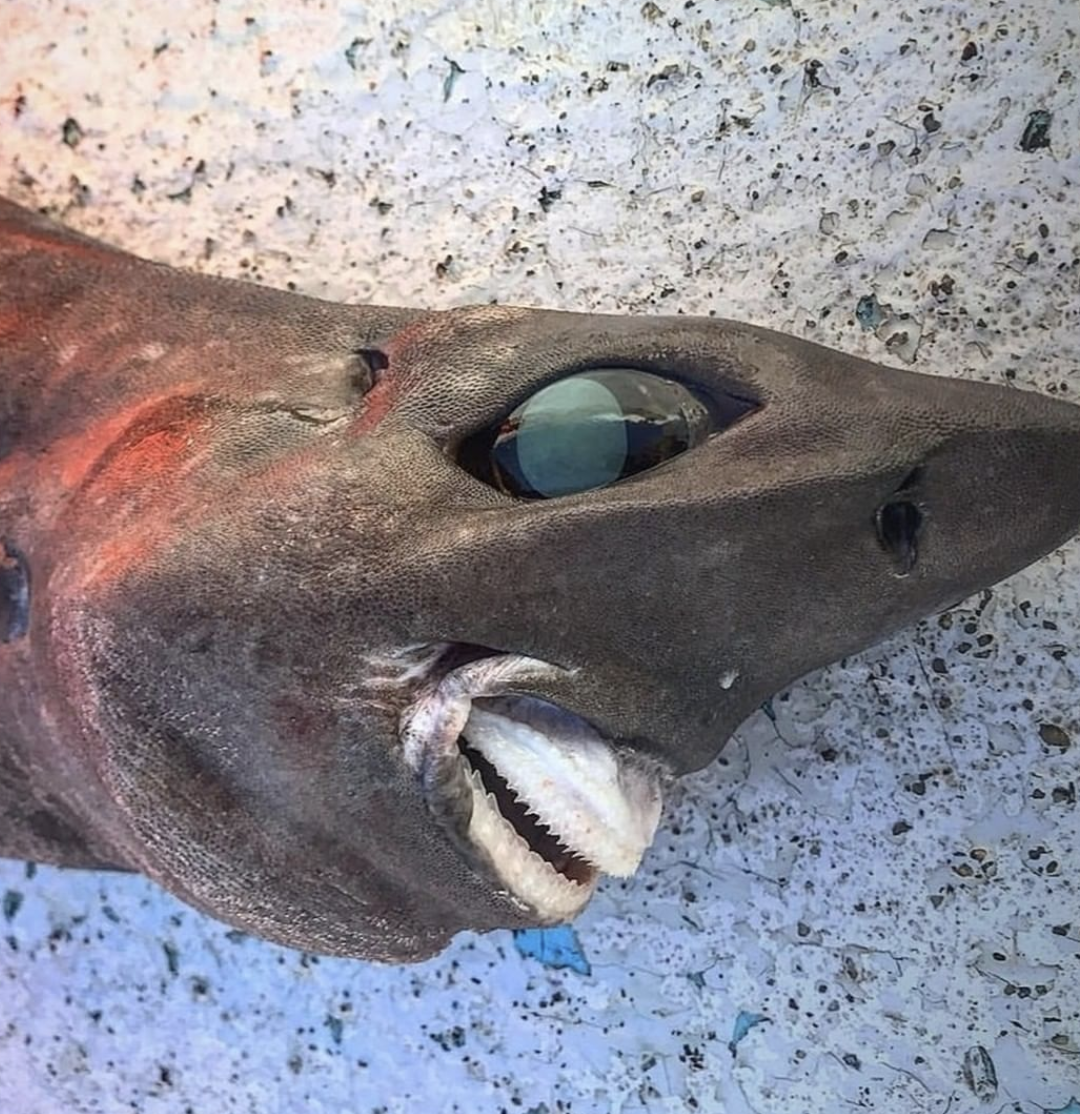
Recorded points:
249,591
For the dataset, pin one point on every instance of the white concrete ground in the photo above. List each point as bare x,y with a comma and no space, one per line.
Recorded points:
888,873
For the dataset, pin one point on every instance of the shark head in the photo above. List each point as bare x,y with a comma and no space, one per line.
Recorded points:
371,626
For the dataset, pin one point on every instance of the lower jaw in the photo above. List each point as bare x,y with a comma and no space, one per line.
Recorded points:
530,878
548,875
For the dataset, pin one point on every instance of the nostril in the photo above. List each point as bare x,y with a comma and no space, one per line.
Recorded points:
898,523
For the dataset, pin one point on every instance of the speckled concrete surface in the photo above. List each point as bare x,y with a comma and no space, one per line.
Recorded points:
884,873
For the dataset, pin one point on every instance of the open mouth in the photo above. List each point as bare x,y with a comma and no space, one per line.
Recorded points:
531,792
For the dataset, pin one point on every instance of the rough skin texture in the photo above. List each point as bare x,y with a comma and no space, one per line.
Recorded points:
223,500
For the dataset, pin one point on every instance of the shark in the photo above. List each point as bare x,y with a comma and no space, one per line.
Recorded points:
358,626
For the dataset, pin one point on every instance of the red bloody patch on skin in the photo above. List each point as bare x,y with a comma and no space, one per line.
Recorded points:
137,449
55,240
129,468
142,477
121,553
394,380
80,457
158,455
377,403
11,322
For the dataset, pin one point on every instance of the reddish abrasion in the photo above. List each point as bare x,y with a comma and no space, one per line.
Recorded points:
159,455
377,404
137,472
123,459
11,322
74,455
56,241
117,466
389,388
121,553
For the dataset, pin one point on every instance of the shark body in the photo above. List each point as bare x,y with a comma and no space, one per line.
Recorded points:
359,626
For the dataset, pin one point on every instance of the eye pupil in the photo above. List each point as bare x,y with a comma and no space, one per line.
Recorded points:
568,437
593,429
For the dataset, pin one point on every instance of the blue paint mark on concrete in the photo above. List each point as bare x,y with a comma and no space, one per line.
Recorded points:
554,947
868,312
743,1024
1072,1108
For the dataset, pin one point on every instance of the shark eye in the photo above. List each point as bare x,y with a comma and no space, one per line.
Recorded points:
587,431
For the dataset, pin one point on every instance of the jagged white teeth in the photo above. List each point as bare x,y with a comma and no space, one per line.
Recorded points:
603,810
528,876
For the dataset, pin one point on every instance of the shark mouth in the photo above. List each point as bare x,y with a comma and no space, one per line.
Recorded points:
531,793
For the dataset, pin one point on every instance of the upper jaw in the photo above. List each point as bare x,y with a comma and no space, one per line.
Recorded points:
532,795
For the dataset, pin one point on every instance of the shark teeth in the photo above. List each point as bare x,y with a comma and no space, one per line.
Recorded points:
568,780
529,877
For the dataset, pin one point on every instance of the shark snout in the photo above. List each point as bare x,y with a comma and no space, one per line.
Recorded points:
1000,491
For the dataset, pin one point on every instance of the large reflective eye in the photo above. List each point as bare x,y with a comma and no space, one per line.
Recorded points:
590,430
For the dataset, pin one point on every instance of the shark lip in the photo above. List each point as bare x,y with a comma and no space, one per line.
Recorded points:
531,793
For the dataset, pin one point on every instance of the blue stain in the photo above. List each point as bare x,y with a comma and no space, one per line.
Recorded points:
1072,1108
1036,135
868,312
554,947
743,1024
